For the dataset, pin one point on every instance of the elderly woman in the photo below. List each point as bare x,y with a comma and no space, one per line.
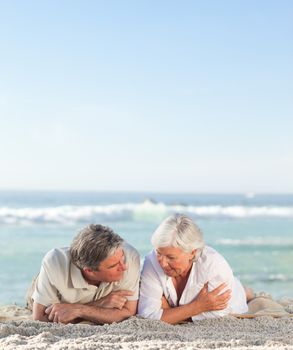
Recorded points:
183,279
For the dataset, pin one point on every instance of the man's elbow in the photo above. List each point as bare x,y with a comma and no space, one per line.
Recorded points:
39,313
42,318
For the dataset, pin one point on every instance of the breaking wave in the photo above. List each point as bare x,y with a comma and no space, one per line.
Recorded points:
147,210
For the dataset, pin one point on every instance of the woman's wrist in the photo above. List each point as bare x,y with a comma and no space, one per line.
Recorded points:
196,307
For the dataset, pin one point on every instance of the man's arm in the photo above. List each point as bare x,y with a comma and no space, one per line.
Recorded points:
103,315
66,313
44,290
39,312
116,299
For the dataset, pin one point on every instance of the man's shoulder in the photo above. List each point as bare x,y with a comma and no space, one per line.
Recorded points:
132,259
130,251
57,256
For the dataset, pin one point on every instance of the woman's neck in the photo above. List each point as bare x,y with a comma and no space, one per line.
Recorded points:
180,282
183,277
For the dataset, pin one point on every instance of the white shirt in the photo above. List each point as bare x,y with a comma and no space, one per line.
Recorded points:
60,281
210,267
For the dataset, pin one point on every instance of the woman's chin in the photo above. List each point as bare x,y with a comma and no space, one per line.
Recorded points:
170,272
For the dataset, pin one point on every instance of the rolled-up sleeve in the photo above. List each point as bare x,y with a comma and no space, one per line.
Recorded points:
151,292
45,292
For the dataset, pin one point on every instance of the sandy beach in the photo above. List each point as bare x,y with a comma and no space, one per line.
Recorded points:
18,331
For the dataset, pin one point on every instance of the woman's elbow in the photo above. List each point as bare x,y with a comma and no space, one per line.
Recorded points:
150,314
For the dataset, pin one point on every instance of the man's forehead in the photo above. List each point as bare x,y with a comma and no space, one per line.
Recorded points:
113,258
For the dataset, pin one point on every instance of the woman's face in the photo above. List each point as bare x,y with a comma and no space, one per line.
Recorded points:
174,261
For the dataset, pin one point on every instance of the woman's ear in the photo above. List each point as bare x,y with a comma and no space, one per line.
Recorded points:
193,253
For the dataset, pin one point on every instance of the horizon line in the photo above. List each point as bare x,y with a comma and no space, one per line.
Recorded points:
249,193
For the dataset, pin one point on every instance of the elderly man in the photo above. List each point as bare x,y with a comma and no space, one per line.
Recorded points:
96,279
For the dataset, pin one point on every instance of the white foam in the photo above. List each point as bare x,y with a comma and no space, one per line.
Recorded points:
256,241
147,210
241,211
268,278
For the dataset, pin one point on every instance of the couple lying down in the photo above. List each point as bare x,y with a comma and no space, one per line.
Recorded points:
98,278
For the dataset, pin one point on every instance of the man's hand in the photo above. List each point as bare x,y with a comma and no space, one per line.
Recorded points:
114,300
63,313
213,301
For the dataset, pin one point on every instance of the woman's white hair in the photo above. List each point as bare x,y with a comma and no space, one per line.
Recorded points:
179,231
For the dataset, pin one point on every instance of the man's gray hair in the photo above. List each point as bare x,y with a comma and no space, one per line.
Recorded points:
179,231
92,245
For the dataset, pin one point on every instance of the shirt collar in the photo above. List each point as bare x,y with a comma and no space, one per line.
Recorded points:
77,278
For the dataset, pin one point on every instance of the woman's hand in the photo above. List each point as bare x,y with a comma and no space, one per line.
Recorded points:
165,304
214,300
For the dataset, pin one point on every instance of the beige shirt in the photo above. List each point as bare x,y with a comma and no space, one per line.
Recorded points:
60,281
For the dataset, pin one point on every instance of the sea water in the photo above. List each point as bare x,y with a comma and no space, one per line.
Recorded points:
253,232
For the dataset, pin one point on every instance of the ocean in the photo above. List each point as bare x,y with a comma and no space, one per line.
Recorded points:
253,232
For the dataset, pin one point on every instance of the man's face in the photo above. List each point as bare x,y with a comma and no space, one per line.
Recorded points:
111,269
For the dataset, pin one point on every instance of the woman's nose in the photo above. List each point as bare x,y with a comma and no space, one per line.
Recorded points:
123,266
163,261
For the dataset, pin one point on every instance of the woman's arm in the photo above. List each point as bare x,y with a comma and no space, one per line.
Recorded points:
205,301
218,272
151,293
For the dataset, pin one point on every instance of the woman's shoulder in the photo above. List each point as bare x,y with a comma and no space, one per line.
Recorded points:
211,256
151,263
151,258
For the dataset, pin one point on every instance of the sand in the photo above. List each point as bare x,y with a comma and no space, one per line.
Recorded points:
18,331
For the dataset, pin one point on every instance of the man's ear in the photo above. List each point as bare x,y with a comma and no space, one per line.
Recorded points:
87,270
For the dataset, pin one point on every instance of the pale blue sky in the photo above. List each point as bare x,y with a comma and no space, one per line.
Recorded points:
191,96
